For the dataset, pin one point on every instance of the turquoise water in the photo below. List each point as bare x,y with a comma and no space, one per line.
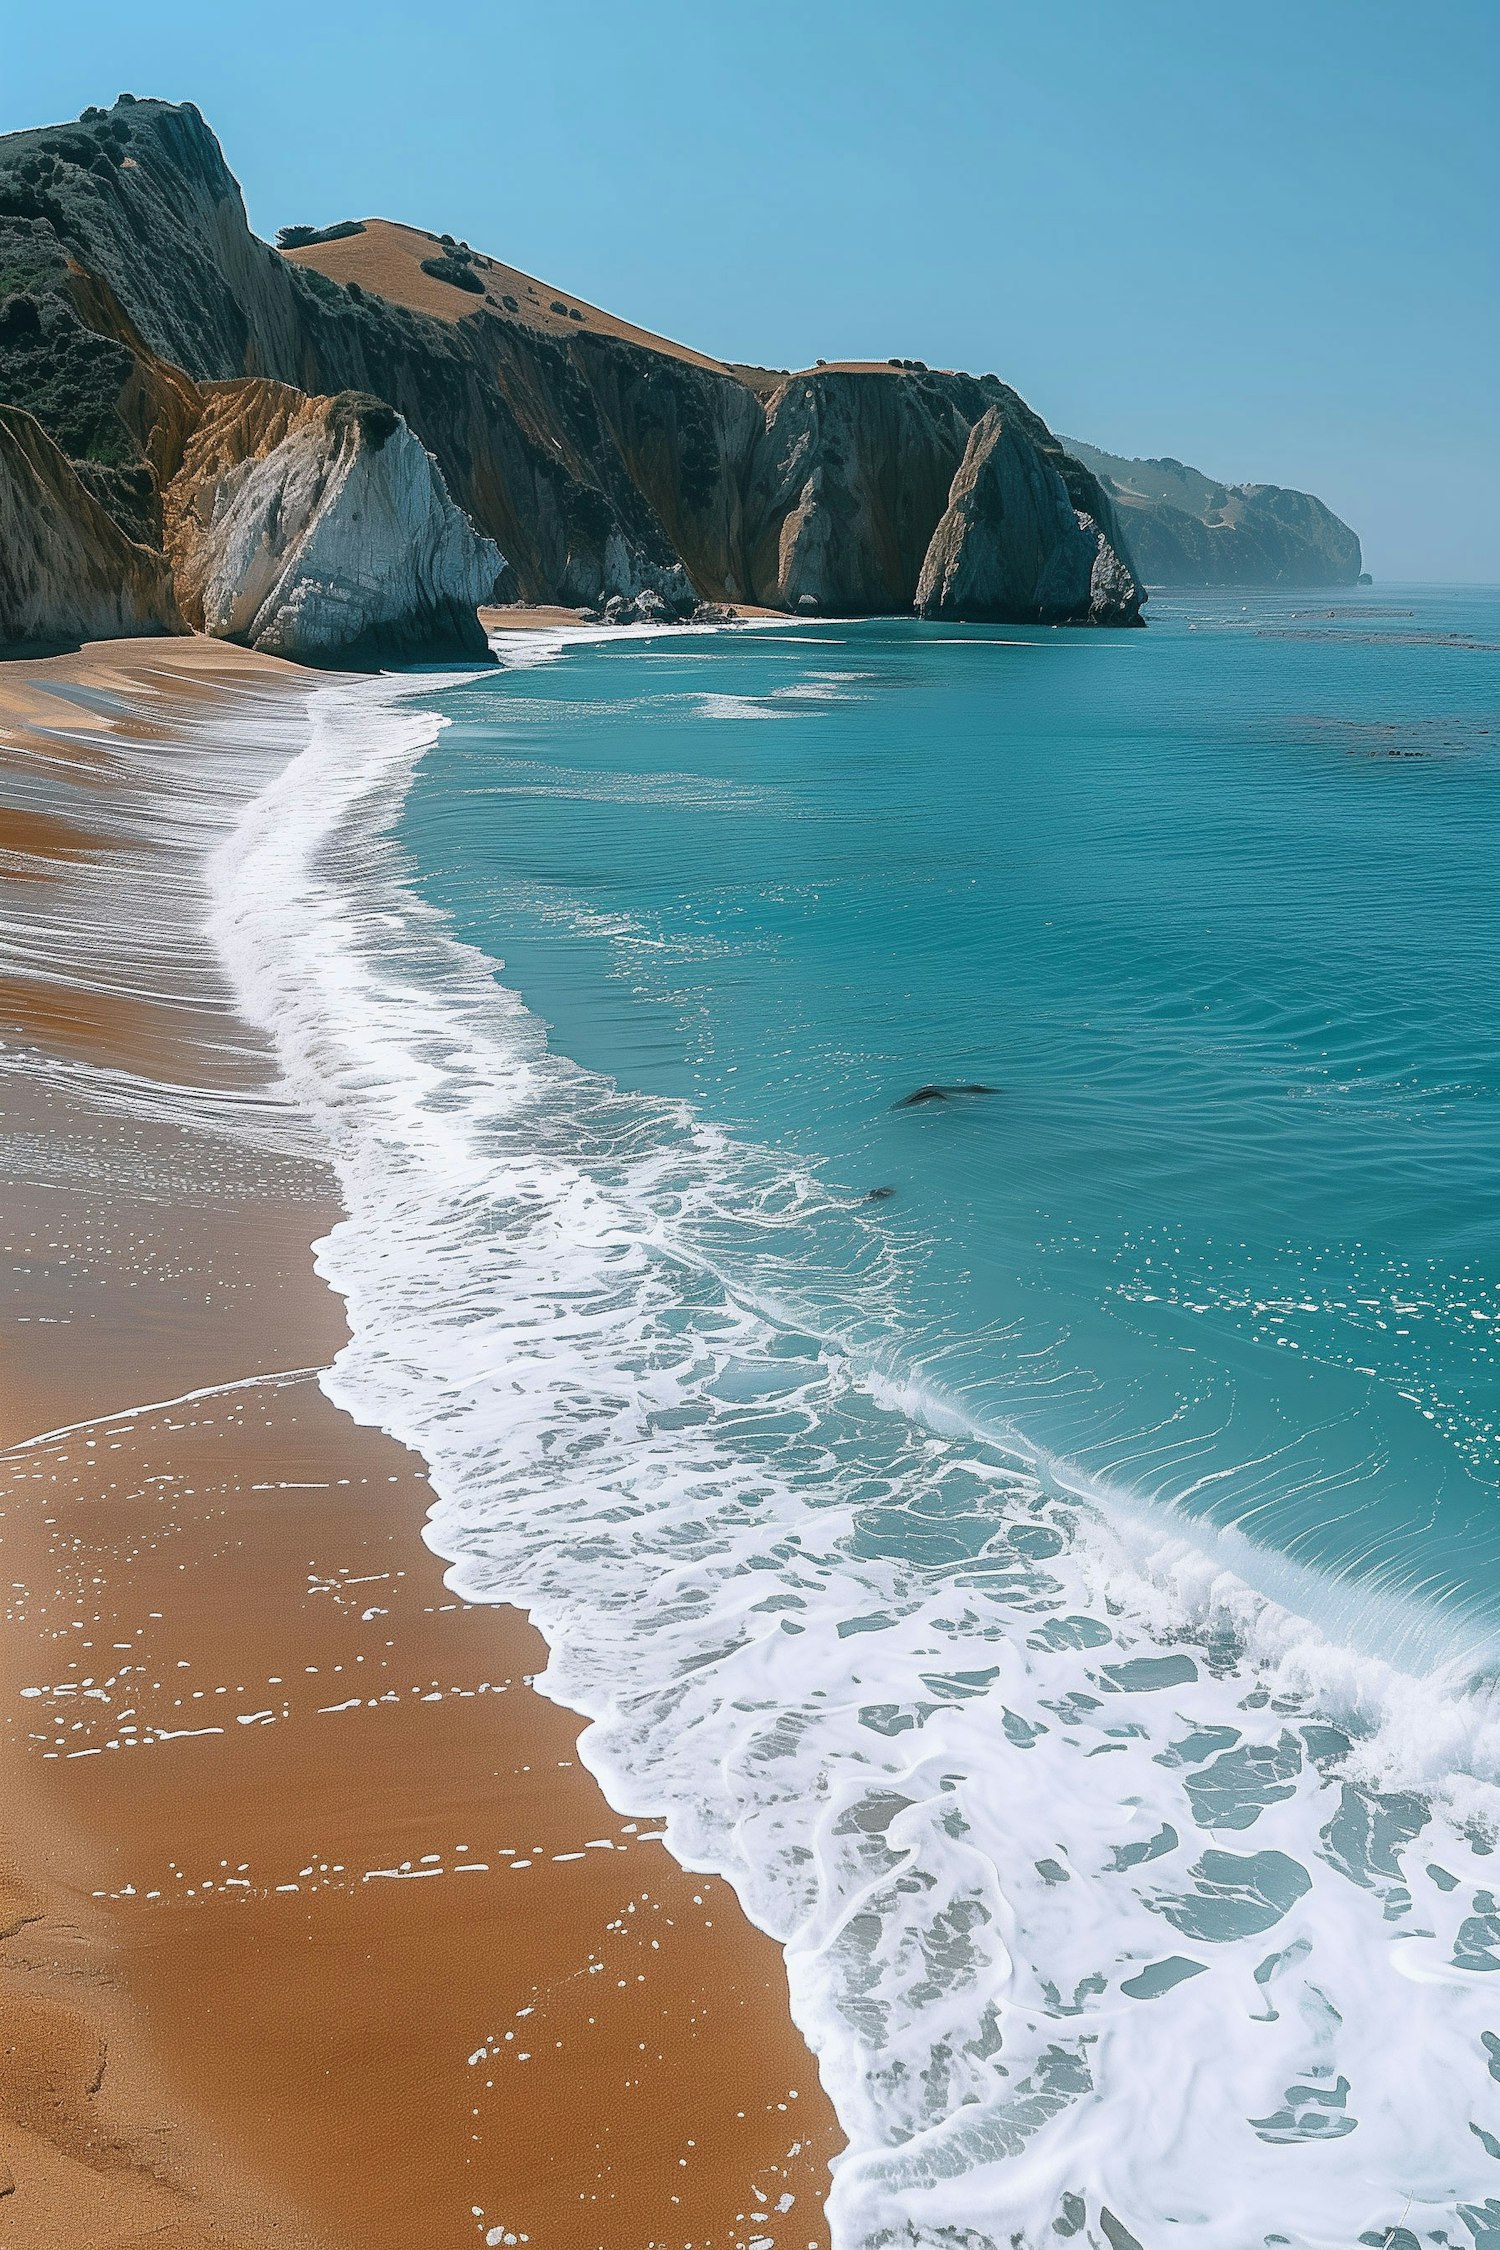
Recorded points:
1040,1544
1212,907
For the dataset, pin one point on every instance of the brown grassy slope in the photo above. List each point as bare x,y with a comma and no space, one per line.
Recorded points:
387,260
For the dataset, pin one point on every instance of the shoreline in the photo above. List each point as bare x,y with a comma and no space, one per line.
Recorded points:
173,1873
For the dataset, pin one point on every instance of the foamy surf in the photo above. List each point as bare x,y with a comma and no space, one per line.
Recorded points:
1116,1896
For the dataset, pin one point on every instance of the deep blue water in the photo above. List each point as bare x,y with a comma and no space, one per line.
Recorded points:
1213,906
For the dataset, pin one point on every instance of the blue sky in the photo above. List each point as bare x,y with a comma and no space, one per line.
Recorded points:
1260,238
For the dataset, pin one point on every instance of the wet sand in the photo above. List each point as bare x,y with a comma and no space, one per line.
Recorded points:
335,1940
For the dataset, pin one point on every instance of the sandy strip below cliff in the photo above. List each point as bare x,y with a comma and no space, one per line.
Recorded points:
319,1933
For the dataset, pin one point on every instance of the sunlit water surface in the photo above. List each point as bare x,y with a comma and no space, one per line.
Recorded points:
1040,1542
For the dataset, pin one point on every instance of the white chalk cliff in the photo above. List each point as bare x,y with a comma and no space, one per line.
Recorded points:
321,529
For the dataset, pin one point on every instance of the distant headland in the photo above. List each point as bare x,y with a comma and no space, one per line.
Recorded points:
1188,529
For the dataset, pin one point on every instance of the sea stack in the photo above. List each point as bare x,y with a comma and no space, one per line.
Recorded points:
1011,545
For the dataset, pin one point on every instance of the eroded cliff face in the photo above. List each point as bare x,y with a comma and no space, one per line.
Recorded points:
850,475
876,491
68,573
601,460
1011,544
534,430
321,530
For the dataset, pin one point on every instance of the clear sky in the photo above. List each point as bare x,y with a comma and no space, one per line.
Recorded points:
1261,238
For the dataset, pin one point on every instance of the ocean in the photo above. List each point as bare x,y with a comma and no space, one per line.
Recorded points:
1038,1539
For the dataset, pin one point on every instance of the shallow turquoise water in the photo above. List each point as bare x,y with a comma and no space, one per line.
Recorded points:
1212,906
1059,1594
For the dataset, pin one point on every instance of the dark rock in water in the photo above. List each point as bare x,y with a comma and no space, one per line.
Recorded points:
880,1195
939,1094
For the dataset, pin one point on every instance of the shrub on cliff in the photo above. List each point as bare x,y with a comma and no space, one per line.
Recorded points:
20,320
319,285
298,238
377,422
64,373
456,271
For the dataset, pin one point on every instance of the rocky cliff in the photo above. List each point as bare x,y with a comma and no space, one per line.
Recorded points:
849,476
1185,529
68,572
319,529
602,460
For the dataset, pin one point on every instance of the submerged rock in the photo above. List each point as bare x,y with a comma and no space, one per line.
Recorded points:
1012,547
320,529
68,572
939,1094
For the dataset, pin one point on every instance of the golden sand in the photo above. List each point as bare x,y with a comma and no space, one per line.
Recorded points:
318,1932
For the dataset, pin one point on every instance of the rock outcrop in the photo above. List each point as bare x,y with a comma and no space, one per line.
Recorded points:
874,490
1186,529
1012,545
68,573
320,529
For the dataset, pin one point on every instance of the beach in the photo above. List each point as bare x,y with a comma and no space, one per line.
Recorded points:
319,1932
965,1532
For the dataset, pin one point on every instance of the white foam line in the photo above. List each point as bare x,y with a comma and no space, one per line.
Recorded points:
161,1406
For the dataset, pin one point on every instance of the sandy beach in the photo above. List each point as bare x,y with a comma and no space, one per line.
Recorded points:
315,1929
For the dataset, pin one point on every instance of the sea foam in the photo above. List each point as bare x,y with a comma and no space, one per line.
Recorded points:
1121,1903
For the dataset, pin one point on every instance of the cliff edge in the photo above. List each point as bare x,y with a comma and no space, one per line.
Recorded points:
68,573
